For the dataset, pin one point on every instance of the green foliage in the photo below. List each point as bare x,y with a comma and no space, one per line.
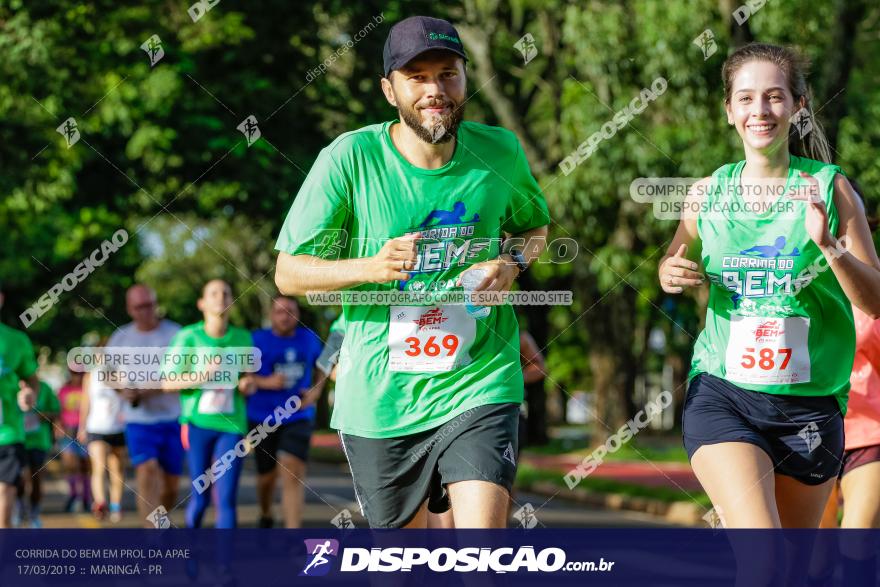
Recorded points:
160,154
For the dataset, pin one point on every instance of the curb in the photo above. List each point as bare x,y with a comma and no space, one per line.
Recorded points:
684,513
676,512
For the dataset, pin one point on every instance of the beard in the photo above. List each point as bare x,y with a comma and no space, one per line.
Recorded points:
438,129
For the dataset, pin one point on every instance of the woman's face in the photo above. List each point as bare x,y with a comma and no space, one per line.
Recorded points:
761,106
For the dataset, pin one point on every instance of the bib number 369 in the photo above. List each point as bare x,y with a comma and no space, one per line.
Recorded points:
430,348
429,338
768,351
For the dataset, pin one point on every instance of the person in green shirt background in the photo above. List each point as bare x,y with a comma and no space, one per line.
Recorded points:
38,440
213,417
18,382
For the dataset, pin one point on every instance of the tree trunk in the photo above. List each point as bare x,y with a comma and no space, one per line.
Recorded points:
838,66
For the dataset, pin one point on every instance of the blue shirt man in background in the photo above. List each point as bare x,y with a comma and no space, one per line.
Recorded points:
288,355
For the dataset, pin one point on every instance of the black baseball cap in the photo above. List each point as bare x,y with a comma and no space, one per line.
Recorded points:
414,35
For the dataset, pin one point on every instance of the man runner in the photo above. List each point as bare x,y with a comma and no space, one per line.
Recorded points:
18,385
427,397
287,356
152,431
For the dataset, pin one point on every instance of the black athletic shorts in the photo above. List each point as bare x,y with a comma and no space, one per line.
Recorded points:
115,440
35,458
12,462
394,476
803,436
293,438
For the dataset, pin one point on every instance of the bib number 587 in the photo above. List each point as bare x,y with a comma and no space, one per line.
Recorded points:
765,358
430,347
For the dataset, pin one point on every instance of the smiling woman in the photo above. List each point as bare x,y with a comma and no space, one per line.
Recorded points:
787,94
770,371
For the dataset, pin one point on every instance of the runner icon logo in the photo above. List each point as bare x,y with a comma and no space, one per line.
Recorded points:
802,121
448,217
706,43
810,434
526,516
713,518
771,251
250,130
159,518
342,520
153,48
69,131
319,552
526,46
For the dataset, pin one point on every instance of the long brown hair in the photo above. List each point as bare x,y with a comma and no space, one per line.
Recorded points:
795,67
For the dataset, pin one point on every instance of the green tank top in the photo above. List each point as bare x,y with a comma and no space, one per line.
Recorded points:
777,320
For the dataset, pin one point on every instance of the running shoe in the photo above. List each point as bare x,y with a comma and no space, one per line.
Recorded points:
115,513
265,522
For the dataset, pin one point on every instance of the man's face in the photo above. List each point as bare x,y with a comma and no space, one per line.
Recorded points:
429,93
140,302
284,316
216,298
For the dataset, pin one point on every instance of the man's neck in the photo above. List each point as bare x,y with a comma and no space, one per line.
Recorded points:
417,151
216,326
283,334
148,327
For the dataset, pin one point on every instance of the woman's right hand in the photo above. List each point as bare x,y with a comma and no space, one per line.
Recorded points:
677,272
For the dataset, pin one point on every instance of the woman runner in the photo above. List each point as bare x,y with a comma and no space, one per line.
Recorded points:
763,417
213,417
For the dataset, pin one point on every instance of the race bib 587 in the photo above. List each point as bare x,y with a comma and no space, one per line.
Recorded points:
768,351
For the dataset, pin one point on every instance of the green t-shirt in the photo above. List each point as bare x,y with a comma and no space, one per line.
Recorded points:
37,431
363,190
778,320
213,409
17,362
338,325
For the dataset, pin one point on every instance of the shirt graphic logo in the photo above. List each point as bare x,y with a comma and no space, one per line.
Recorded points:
770,251
759,271
448,217
318,560
446,239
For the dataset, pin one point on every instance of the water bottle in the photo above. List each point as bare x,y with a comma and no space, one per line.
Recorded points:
470,279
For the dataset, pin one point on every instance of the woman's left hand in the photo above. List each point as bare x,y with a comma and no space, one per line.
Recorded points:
816,219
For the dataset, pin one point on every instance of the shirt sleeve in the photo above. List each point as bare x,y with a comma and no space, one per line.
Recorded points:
27,366
317,347
53,406
175,362
316,222
527,208
113,341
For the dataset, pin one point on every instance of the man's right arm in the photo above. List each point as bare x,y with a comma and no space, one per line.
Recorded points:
298,274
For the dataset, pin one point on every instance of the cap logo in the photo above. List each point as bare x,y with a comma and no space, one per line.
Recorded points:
441,36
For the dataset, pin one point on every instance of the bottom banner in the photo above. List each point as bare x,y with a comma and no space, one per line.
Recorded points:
265,558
